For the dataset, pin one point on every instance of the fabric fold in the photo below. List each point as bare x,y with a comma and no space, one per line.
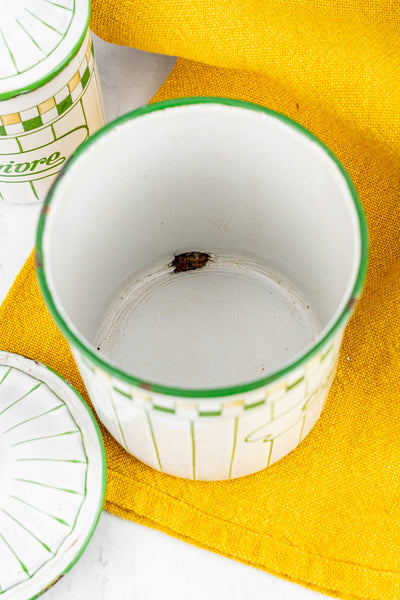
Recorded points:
342,55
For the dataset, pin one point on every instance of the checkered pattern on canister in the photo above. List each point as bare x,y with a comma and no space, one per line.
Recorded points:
37,116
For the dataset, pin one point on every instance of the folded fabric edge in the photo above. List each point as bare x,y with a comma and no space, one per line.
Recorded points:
308,569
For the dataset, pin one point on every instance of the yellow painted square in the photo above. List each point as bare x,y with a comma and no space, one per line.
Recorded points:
313,361
277,388
232,404
189,406
46,106
11,119
74,81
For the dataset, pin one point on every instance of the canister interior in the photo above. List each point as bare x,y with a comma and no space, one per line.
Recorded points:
263,205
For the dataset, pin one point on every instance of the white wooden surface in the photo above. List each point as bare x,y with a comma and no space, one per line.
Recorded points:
125,560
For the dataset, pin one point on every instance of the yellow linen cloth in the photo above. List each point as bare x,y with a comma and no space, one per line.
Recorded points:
327,515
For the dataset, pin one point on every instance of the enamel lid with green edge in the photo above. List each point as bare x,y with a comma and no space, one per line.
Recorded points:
37,39
52,477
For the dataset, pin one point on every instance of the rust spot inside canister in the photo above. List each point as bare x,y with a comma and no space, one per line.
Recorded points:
189,261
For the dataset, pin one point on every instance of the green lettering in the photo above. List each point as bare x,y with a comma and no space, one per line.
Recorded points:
18,167
34,164
55,160
8,167
52,161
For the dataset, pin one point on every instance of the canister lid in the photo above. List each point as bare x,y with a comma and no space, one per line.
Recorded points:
52,476
37,39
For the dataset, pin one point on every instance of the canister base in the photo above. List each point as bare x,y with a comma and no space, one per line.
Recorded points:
225,322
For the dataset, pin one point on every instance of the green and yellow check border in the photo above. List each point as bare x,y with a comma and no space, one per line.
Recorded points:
44,113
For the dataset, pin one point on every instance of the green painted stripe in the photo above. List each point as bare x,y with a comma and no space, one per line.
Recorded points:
9,50
43,22
126,394
51,487
22,397
88,364
45,437
292,385
61,460
259,403
19,144
33,418
30,37
84,79
270,452
294,407
26,529
164,409
287,429
81,102
301,430
59,5
234,446
193,449
15,554
326,353
309,398
210,413
34,190
6,375
43,512
125,445
154,439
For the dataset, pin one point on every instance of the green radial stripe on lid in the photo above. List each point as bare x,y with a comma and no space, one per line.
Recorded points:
37,39
52,476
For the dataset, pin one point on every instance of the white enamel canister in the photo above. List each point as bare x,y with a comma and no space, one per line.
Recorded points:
50,99
202,257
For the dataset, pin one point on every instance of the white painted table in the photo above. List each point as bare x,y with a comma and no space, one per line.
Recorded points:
126,561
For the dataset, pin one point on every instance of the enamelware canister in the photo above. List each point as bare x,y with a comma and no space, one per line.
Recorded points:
50,99
202,257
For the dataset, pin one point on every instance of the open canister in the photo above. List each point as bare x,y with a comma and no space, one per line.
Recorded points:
50,98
